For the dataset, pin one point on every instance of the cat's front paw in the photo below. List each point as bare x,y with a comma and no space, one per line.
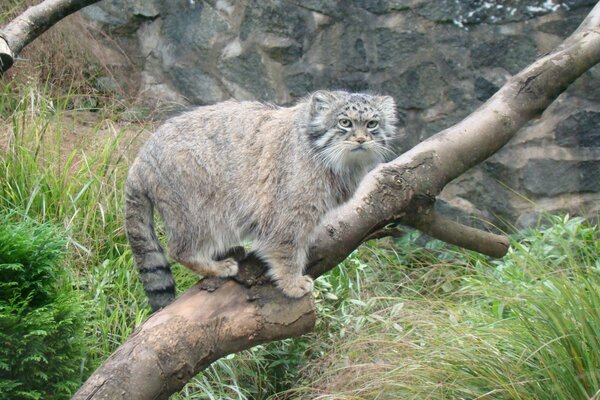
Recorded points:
296,287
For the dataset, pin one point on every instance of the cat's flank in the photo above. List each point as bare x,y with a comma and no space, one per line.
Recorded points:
221,174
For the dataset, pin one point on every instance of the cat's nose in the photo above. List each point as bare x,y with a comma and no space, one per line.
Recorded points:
361,139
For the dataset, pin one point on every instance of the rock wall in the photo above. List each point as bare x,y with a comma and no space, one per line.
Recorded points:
440,59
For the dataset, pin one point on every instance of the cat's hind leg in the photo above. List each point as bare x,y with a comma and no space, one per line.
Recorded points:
206,266
201,255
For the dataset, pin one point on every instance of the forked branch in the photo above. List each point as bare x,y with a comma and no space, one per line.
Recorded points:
218,317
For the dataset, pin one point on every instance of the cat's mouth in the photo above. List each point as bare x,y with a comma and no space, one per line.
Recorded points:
359,148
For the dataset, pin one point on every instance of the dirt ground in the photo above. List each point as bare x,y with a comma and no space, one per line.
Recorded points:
83,132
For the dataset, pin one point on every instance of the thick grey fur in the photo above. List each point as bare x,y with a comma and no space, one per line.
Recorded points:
221,174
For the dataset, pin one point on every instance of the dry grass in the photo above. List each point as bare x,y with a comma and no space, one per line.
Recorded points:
56,75
60,58
66,62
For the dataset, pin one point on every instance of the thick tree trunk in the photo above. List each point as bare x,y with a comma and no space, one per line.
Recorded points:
21,31
218,317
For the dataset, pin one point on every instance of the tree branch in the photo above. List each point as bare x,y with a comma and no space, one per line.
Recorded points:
440,227
22,30
388,231
220,316
393,190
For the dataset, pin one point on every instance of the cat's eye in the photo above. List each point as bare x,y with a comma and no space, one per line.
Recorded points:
372,124
345,123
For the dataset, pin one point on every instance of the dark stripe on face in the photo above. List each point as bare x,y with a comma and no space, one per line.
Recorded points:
331,139
313,137
314,133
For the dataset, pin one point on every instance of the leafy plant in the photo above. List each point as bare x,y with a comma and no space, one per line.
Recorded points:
42,316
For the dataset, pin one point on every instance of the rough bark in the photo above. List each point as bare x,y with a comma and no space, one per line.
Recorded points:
217,317
214,318
22,30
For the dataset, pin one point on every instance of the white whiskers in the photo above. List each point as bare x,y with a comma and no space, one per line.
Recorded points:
332,156
384,152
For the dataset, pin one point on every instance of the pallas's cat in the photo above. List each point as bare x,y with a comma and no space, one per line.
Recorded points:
222,174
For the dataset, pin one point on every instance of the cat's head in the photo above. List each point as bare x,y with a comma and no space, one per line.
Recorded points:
351,130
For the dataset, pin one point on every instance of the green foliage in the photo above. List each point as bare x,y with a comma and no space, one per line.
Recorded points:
41,315
49,177
545,295
437,323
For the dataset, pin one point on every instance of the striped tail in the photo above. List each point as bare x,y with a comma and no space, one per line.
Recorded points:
153,267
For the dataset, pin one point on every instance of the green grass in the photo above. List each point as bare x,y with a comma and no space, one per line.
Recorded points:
448,324
81,191
396,320
401,321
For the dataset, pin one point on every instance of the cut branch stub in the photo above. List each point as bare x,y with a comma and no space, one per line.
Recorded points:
6,56
444,229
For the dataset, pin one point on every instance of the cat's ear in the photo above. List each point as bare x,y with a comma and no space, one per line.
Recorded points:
322,100
387,105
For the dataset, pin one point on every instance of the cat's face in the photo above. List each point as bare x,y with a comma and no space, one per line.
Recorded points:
351,130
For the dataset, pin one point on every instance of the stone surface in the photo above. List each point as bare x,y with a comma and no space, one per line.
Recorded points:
248,72
275,17
511,52
554,177
421,87
469,12
484,89
195,85
396,48
579,130
440,59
